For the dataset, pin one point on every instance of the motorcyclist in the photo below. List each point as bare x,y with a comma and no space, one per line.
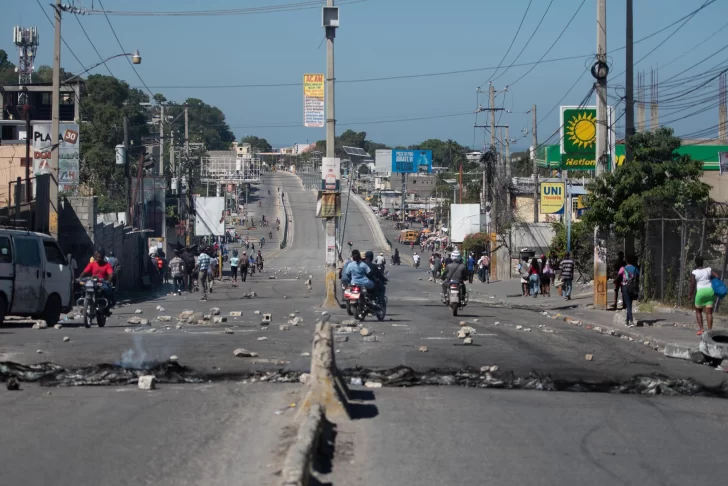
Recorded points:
357,272
262,242
395,257
456,272
380,261
416,259
251,263
259,260
376,274
102,270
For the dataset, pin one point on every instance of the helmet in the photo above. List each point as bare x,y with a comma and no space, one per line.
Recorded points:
415,253
455,255
381,253
369,255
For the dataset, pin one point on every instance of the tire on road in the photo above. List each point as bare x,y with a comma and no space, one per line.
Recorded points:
52,311
715,344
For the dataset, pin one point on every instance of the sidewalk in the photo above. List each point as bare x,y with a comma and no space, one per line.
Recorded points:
672,331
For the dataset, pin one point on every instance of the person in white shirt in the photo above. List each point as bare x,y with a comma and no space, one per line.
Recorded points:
701,289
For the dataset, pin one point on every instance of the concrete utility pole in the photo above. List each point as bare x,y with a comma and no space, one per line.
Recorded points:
629,85
508,172
161,140
187,161
127,173
600,72
330,275
55,125
492,116
534,142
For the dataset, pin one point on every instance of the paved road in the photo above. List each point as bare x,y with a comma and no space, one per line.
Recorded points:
444,415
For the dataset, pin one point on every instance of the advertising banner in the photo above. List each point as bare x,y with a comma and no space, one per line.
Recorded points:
411,161
330,173
328,204
723,162
383,161
579,136
313,100
68,154
553,197
210,217
465,220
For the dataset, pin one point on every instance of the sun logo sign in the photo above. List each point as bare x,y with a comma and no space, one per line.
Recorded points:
582,130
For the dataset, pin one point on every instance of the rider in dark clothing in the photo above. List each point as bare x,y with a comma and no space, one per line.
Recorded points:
456,271
375,274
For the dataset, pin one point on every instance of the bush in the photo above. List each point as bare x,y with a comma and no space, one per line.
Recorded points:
476,243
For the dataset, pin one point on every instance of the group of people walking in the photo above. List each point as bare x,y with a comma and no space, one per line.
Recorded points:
540,275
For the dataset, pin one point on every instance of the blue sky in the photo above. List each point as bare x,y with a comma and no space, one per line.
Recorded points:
382,38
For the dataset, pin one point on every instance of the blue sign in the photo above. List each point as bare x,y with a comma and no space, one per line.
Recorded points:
411,161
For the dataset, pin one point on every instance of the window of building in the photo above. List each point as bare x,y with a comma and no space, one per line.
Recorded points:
45,99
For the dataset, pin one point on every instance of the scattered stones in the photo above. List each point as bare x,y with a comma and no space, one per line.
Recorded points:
39,351
40,324
303,378
144,322
164,318
365,332
284,327
349,322
292,314
58,326
589,357
355,381
236,314
468,340
272,277
463,323
219,319
215,311
257,313
285,296
186,314
178,326
253,294
494,368
262,338
545,313
147,382
370,339
160,308
295,321
423,349
174,357
306,354
341,339
138,311
152,330
13,384
462,334
195,317
527,329
66,339
373,384
244,353
519,327
128,329
206,317
346,330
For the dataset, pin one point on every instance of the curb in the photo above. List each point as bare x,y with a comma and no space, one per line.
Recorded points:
327,397
379,239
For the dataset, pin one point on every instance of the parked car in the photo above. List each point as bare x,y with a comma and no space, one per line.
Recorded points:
35,277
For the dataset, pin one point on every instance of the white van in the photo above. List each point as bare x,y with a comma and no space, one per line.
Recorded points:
35,277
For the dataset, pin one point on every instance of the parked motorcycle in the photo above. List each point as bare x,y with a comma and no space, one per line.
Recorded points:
360,302
453,297
93,303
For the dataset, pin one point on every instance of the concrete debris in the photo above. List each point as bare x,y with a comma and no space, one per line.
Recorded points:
292,314
545,313
284,327
646,343
253,294
174,357
589,357
178,326
13,384
58,326
356,381
66,339
236,314
346,329
526,329
369,339
219,319
365,332
462,334
430,279
295,321
494,368
184,315
40,325
723,365
39,351
341,339
215,311
519,327
206,317
285,296
244,353
138,311
423,349
262,338
463,323
195,317
272,277
267,318
468,340
257,313
160,308
164,318
152,330
306,354
419,278
303,378
497,323
548,330
476,320
349,322
229,331
147,382
373,384
128,329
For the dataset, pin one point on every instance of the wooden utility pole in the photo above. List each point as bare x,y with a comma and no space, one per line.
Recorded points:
534,142
629,86
600,72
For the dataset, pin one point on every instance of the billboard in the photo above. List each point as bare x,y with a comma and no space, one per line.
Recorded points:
579,136
330,173
210,217
411,161
465,220
68,154
313,100
553,197
383,161
328,204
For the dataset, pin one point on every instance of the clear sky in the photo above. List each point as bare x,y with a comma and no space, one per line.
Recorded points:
385,38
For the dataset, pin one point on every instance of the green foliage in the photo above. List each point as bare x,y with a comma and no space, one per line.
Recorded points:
445,153
257,144
7,70
477,243
657,180
207,124
582,245
44,74
521,165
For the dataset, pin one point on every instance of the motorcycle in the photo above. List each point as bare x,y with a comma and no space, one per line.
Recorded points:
417,264
395,260
381,266
359,303
93,303
453,297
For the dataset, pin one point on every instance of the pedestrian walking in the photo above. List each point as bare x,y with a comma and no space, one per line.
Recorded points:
554,263
522,271
436,266
234,261
567,274
546,275
630,276
534,277
701,289
471,268
203,266
189,260
177,270
618,278
243,266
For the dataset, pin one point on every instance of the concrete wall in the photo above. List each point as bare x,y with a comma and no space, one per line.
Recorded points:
718,185
76,226
11,168
535,236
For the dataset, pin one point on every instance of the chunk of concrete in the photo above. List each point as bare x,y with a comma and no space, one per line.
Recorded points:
244,353
164,318
147,382
219,319
195,317
341,339
365,332
267,318
284,327
236,314
138,311
215,311
40,324
185,315
682,351
370,339
66,339
58,326
423,349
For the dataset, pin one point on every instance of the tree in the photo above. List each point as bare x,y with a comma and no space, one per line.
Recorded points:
44,74
521,165
444,153
207,124
7,70
257,144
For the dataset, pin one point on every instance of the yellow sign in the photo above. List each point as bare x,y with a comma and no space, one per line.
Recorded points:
53,223
313,100
553,197
313,85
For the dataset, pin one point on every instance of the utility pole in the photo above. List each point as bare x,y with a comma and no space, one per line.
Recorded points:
330,275
55,124
189,179
600,72
629,86
508,172
534,142
127,173
161,140
28,159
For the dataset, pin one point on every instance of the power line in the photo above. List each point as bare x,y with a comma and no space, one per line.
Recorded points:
151,94
62,39
515,36
92,44
226,12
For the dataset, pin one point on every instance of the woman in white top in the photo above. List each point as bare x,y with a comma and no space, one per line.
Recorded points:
701,289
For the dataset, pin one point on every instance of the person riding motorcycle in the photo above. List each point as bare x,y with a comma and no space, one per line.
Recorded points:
357,272
376,274
416,259
102,270
380,261
455,271
395,257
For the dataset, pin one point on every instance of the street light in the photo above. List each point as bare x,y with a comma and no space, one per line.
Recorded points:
136,58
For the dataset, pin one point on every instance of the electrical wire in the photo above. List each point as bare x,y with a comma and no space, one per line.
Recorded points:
515,36
62,39
93,45
151,94
226,12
